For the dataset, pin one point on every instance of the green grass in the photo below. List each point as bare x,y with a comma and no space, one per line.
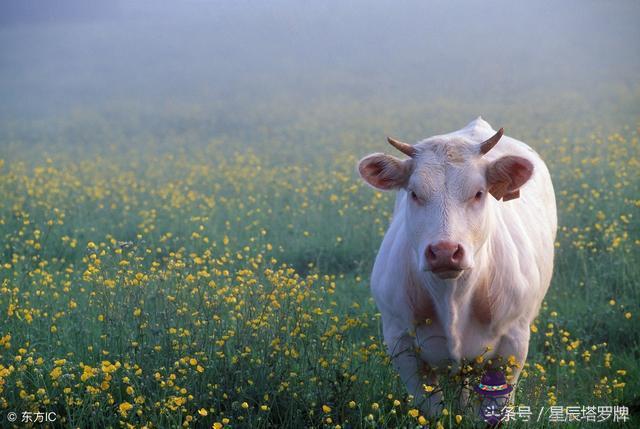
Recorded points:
248,250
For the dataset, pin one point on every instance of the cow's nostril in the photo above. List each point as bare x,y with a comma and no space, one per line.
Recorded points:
458,254
430,255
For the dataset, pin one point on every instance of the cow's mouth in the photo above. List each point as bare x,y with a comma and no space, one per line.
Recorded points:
446,273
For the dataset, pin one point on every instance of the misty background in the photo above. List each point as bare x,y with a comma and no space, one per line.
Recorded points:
221,67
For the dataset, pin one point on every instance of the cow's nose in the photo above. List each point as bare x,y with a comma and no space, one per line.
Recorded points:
444,256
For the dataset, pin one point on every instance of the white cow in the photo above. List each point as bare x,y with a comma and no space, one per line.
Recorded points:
468,257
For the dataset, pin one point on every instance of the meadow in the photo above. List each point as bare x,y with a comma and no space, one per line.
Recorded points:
208,267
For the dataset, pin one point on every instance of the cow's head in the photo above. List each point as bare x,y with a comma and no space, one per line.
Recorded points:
448,182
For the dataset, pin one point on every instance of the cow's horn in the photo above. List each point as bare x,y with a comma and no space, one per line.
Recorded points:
488,144
405,148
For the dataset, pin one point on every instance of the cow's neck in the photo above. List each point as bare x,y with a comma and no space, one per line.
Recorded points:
461,300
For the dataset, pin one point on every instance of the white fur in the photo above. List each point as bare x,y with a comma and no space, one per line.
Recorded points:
514,239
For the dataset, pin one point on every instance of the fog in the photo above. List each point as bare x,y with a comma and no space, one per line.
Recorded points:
73,55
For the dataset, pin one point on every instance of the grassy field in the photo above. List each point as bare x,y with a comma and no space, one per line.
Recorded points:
205,268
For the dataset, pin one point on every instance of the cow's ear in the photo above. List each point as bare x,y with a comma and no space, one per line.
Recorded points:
506,175
384,171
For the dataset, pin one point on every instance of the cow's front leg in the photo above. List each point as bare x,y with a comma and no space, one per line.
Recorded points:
513,349
511,353
414,372
464,397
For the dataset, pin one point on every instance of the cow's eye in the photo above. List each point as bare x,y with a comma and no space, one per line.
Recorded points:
414,197
479,195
